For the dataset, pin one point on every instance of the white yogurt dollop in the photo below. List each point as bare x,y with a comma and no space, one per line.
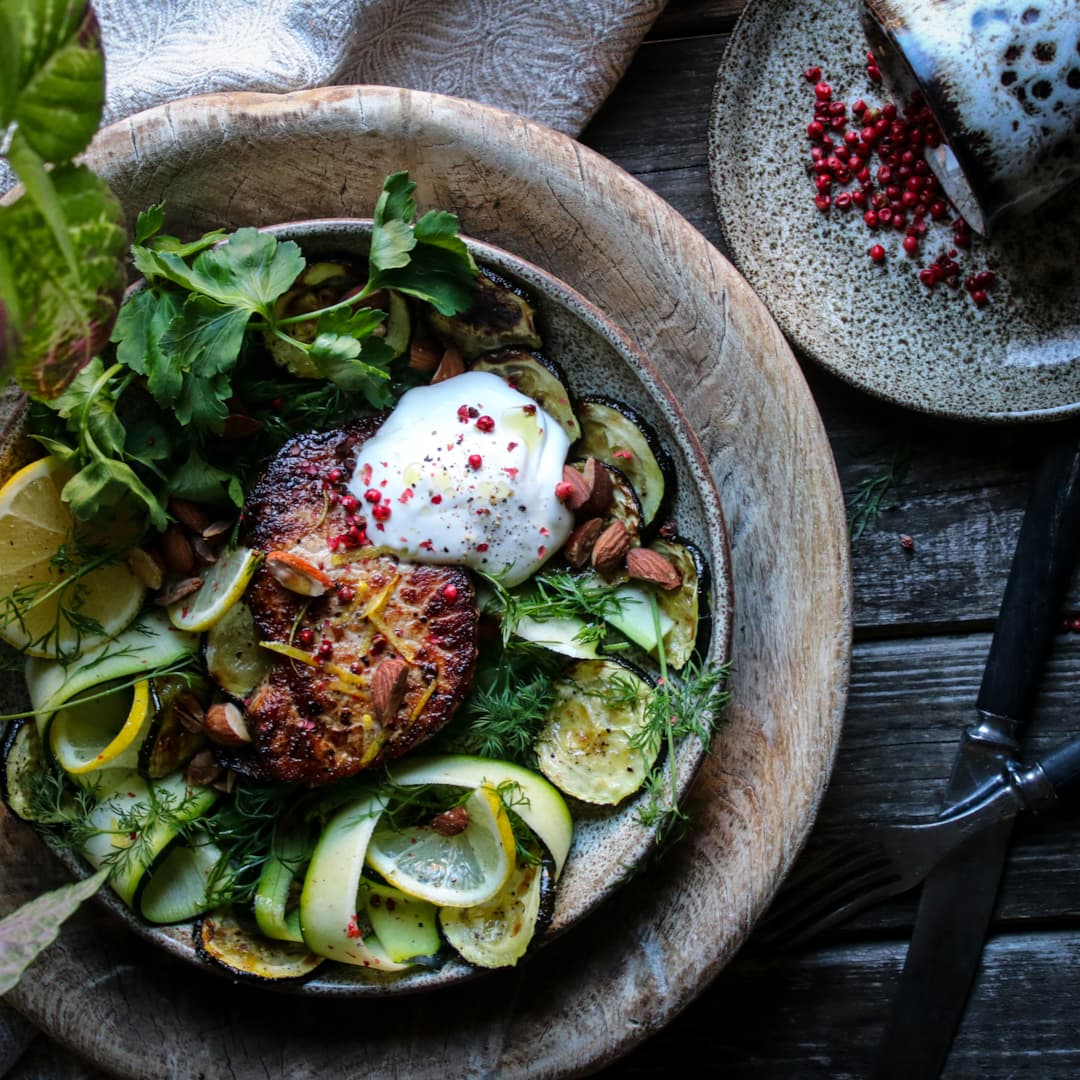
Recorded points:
464,472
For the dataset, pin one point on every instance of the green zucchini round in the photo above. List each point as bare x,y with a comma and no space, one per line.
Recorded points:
538,378
224,940
500,315
595,743
616,434
22,757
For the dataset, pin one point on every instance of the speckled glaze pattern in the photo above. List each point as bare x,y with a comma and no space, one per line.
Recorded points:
1003,81
876,325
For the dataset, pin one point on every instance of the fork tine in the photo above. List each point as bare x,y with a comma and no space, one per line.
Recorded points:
841,914
837,882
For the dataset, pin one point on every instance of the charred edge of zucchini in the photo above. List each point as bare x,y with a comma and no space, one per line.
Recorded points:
224,941
537,377
21,756
669,548
169,744
548,895
500,315
664,463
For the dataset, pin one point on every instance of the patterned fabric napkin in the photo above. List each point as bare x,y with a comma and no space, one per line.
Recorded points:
554,63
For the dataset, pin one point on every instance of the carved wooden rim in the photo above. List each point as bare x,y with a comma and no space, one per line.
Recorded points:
597,991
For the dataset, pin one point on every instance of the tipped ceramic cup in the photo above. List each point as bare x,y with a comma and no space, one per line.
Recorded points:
1003,79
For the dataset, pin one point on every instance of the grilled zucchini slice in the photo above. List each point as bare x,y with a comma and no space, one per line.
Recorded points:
234,658
171,742
595,743
537,378
688,606
500,315
498,933
23,759
226,940
617,435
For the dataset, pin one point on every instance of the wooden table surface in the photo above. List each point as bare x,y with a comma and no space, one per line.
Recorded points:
923,620
922,630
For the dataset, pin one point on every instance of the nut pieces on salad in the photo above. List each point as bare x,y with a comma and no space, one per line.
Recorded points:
368,514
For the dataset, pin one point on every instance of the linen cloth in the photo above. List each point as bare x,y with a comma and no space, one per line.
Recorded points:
553,62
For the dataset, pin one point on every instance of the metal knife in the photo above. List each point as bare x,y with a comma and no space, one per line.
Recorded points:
958,897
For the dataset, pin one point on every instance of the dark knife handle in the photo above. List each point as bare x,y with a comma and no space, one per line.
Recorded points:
1060,770
1045,553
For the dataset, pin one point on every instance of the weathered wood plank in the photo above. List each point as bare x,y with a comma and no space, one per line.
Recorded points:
682,18
908,703
821,1014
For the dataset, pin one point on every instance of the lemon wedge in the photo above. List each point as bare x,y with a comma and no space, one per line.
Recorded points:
461,870
34,524
106,732
223,585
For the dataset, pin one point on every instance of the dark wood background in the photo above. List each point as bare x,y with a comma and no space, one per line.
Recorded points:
922,630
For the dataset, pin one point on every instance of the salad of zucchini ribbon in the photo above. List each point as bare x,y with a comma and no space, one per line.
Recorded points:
142,655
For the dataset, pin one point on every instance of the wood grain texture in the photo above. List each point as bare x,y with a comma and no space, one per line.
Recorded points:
606,985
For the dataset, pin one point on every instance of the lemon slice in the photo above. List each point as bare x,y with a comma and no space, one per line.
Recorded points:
105,732
533,799
34,524
461,870
223,585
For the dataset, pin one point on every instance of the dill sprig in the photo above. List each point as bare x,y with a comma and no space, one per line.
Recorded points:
556,594
244,829
866,502
71,562
689,707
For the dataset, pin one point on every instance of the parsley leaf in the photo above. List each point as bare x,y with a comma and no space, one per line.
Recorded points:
428,260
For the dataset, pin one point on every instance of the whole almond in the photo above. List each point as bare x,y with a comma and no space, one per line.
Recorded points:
226,726
388,688
579,543
189,514
202,770
424,354
177,550
611,547
451,822
180,591
648,565
600,487
577,490
297,574
451,364
150,571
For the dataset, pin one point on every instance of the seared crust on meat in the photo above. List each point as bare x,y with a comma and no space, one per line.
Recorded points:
317,720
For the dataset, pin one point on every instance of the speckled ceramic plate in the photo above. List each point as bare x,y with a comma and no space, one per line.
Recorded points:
878,326
609,842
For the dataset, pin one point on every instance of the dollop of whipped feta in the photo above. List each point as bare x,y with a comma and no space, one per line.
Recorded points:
464,472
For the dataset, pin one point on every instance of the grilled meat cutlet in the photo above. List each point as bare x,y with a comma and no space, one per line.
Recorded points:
321,719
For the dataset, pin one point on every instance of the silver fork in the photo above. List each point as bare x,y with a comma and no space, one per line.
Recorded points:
854,875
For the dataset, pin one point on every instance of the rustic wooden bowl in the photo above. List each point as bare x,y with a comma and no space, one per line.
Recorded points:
256,159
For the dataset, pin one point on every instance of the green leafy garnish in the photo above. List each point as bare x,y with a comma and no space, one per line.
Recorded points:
61,243
29,930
